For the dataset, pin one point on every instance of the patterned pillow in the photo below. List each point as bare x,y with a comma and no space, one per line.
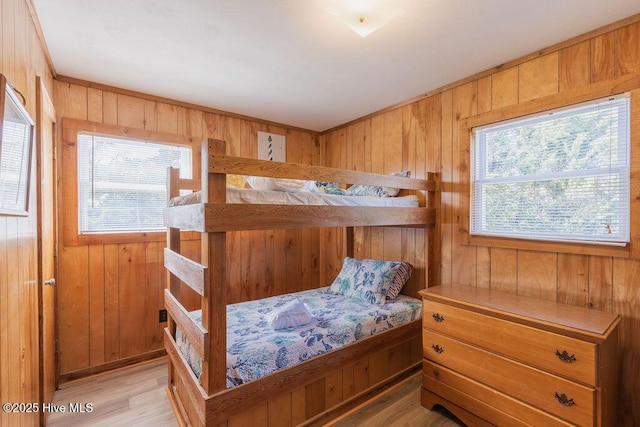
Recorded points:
319,186
365,280
377,191
401,277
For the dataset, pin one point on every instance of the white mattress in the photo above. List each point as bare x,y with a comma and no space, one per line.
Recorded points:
250,196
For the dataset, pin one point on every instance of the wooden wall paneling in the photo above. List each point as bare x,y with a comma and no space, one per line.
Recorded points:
166,117
600,295
131,111
94,105
446,188
483,254
8,40
378,124
190,122
504,269
504,88
13,328
309,253
151,115
229,129
73,308
626,301
627,52
412,246
109,108
154,282
254,248
112,302
293,244
573,279
602,57
20,49
70,100
537,274
97,305
433,163
4,317
538,77
131,281
575,66
464,105
484,94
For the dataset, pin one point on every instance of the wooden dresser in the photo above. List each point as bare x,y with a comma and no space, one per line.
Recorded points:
498,358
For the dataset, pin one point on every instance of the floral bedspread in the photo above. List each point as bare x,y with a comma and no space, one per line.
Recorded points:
255,349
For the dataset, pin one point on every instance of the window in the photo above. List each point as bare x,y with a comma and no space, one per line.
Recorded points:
16,136
561,175
122,183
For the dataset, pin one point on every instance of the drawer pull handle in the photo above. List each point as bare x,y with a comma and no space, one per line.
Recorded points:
437,348
562,398
566,357
437,317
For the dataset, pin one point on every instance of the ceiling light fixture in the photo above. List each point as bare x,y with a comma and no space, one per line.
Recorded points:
363,16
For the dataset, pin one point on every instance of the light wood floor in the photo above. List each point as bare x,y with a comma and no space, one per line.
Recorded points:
136,396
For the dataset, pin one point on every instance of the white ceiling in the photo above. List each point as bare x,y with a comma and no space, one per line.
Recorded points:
289,61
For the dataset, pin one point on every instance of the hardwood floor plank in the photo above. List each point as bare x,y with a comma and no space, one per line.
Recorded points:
125,397
136,396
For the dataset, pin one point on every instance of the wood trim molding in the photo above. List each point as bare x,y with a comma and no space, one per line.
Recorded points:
100,86
629,83
68,185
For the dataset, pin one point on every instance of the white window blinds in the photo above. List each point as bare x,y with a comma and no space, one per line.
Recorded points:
15,148
559,175
122,183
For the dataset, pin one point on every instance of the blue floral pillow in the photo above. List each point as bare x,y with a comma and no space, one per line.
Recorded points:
365,280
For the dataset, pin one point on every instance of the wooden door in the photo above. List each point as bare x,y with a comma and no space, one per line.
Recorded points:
46,173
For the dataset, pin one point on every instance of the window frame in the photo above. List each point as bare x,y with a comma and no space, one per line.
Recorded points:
479,173
540,105
68,206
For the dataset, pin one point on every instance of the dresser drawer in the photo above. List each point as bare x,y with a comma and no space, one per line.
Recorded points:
556,395
565,356
482,400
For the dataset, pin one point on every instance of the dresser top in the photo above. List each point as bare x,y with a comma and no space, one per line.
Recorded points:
583,322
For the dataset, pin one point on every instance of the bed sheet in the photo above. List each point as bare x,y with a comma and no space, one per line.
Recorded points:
247,195
255,349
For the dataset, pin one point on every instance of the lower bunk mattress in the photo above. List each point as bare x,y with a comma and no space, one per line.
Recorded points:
255,349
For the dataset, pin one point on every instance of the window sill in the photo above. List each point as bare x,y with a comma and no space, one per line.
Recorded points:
547,246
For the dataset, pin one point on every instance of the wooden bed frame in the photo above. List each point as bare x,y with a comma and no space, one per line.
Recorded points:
304,392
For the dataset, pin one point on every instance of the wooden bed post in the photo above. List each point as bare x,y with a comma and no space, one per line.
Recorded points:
214,256
173,243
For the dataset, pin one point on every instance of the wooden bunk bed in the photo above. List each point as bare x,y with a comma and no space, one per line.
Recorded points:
297,394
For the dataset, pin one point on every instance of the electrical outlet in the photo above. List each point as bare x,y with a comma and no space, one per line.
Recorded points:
162,316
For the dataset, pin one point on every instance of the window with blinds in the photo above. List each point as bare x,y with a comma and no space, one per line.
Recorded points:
561,175
122,183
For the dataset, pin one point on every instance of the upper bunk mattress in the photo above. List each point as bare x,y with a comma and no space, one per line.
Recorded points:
250,196
255,349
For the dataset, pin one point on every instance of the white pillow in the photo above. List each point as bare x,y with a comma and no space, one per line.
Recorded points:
292,314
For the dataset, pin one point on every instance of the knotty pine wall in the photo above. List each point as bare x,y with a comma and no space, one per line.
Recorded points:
21,59
109,294
395,138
